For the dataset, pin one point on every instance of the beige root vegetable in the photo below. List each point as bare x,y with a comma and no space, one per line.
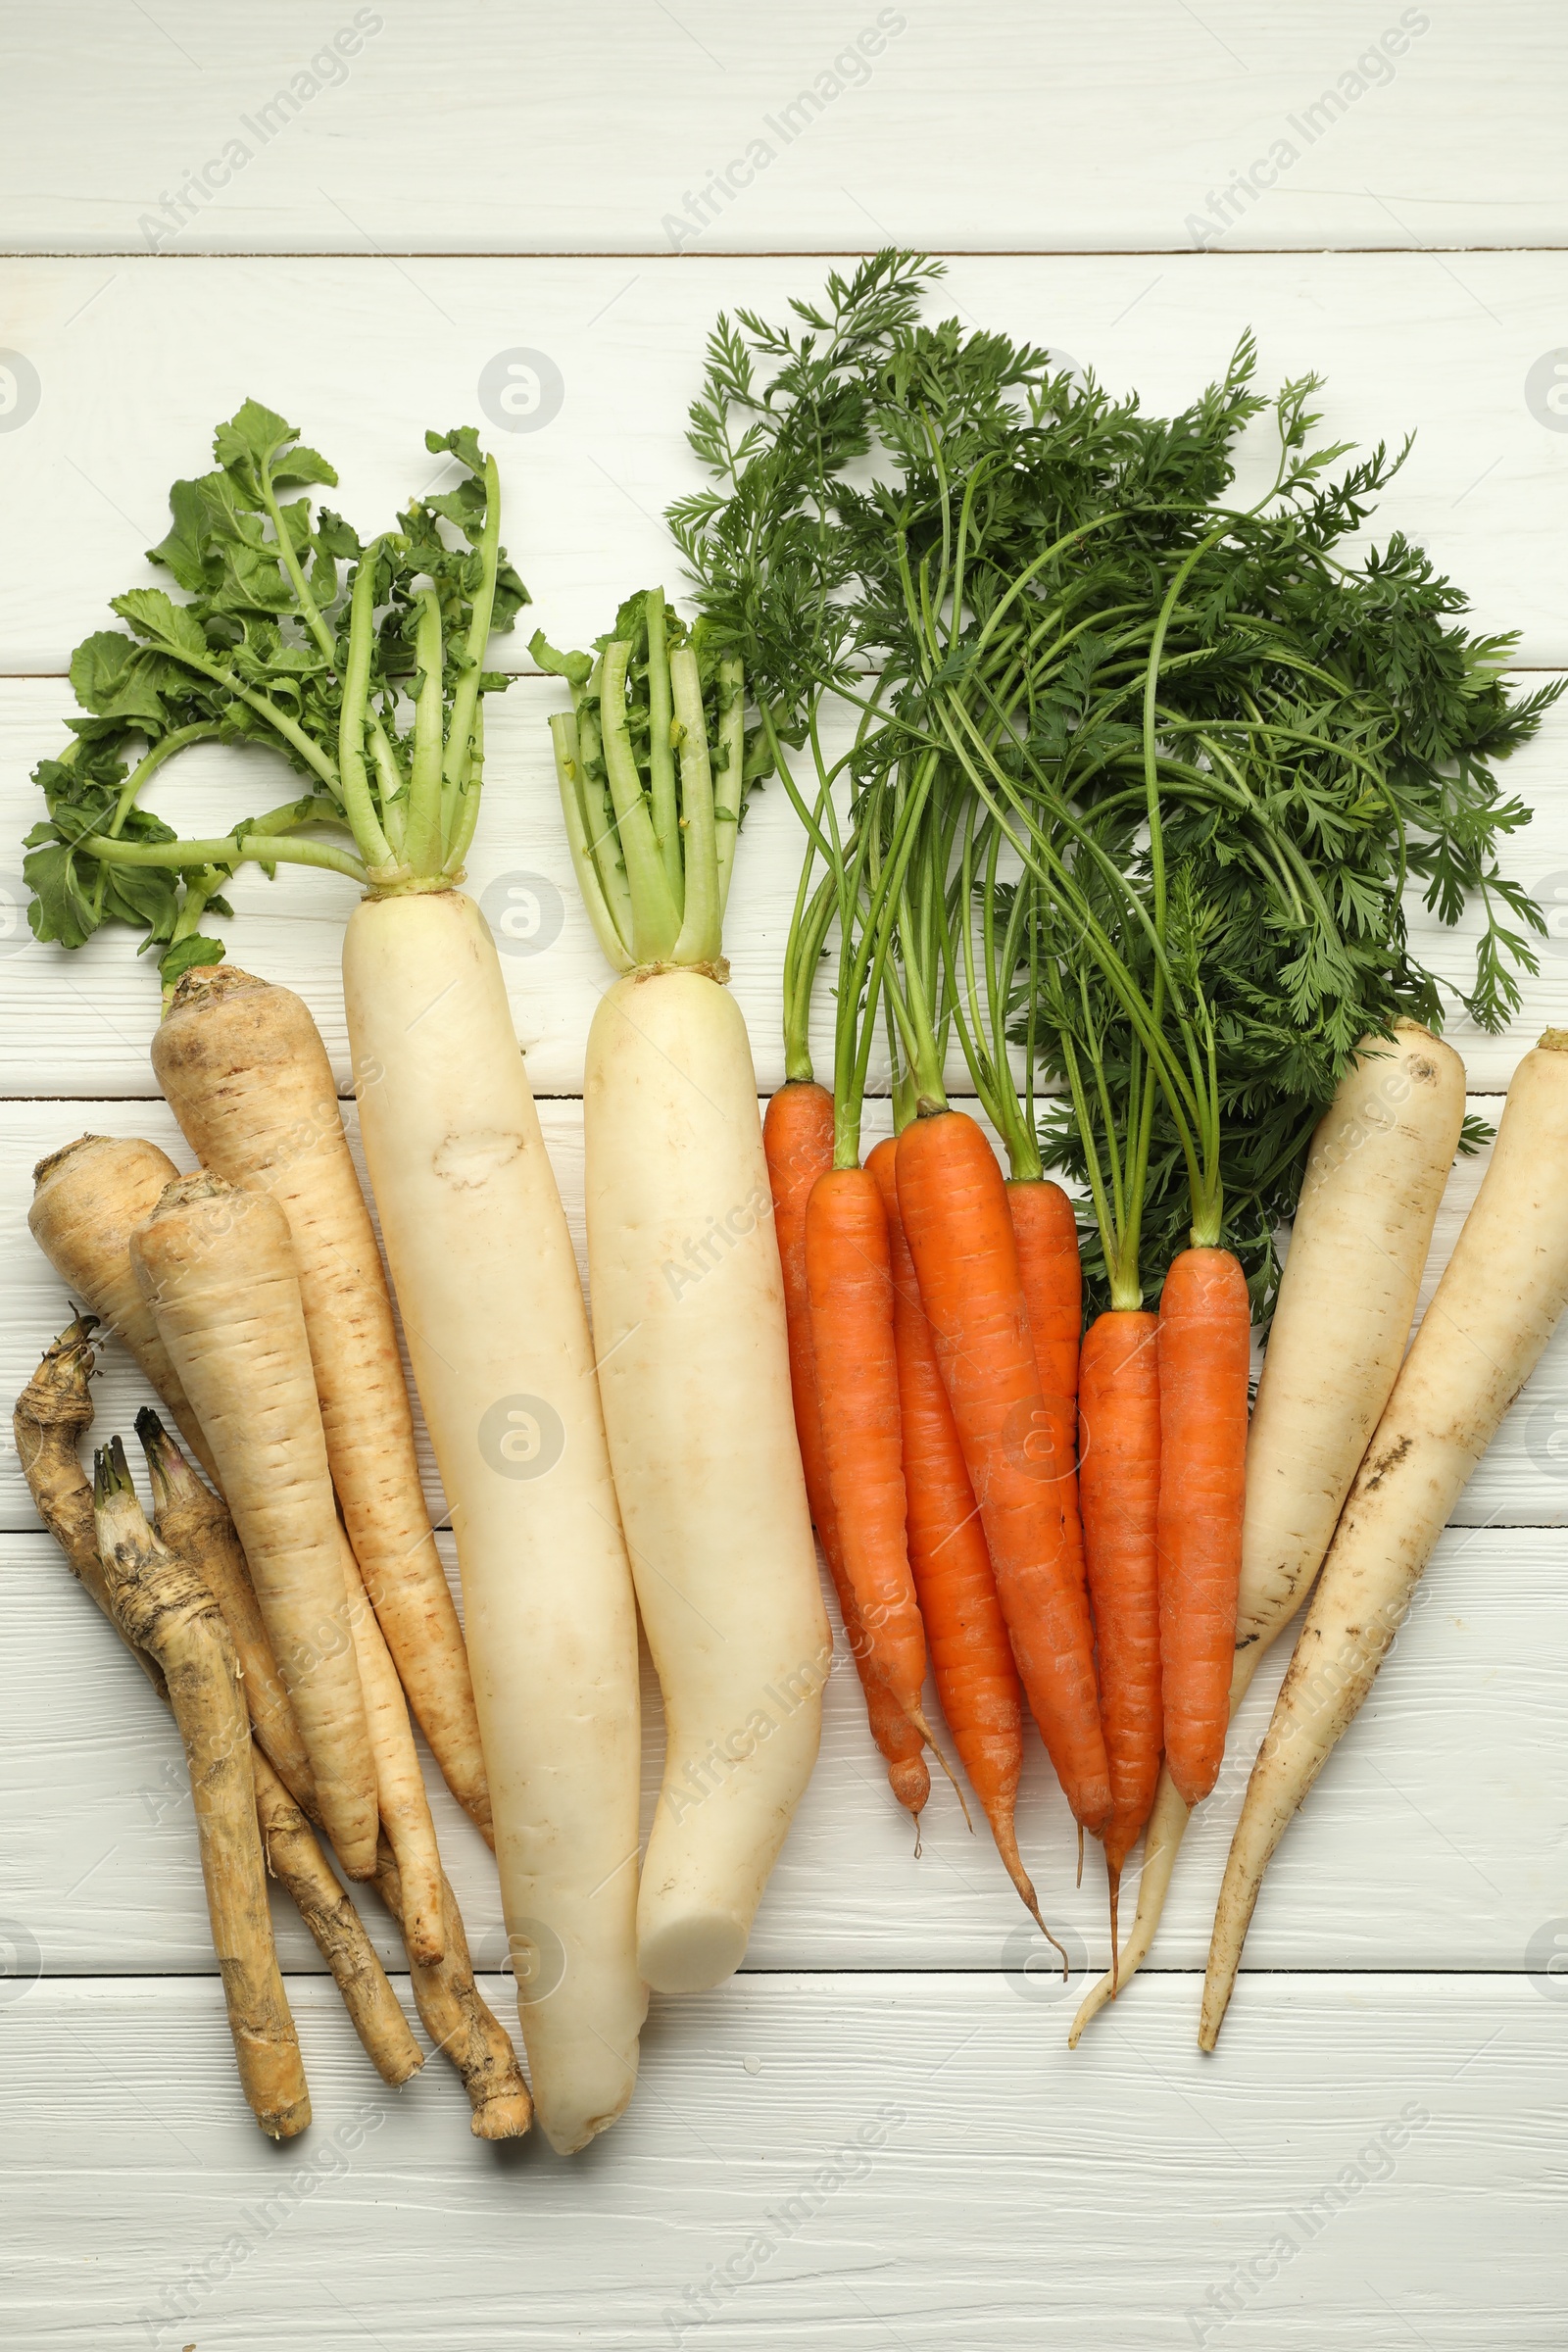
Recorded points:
299,1865
1493,1311
248,1078
160,1605
51,1417
488,1286
404,1807
88,1199
460,2020
1375,1175
216,1266
194,1522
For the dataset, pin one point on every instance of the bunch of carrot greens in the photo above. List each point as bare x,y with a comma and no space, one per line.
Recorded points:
1138,780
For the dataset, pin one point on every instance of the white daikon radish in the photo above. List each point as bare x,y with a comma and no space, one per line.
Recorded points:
687,1292
492,1307
1482,1336
1375,1174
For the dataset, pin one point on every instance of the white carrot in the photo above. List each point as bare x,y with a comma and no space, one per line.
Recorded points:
217,1267
492,1305
687,1292
248,1078
1379,1160
1482,1336
404,1807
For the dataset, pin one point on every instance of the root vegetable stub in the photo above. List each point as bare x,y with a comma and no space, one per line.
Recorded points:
491,1300
216,1266
249,1080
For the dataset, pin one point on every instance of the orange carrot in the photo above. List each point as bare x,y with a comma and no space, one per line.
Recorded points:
955,1212
1118,1487
976,1679
1046,1231
798,1135
1205,1327
851,1286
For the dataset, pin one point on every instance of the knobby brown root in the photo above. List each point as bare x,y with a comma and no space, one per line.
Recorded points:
51,1415
297,1862
459,2022
195,1523
160,1604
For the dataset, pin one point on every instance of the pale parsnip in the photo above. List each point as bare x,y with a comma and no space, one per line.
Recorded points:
88,1199
217,1267
492,1307
248,1078
1496,1308
1379,1160
689,1325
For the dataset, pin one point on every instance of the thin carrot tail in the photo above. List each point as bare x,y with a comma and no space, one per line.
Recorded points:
917,1718
1114,1873
1012,1862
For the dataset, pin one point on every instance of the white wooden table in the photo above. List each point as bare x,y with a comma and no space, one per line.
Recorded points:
1375,2155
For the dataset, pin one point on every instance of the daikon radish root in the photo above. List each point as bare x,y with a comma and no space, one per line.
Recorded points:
88,1199
459,2020
299,1866
1495,1308
688,1295
404,1807
491,1300
160,1605
195,1523
248,1078
52,1416
216,1266
1375,1174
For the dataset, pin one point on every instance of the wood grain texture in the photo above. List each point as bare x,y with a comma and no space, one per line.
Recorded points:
80,1024
870,2162
988,124
137,360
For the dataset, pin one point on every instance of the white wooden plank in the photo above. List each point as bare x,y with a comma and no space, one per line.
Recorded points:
593,128
1367,2162
136,360
1434,1840
79,1024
